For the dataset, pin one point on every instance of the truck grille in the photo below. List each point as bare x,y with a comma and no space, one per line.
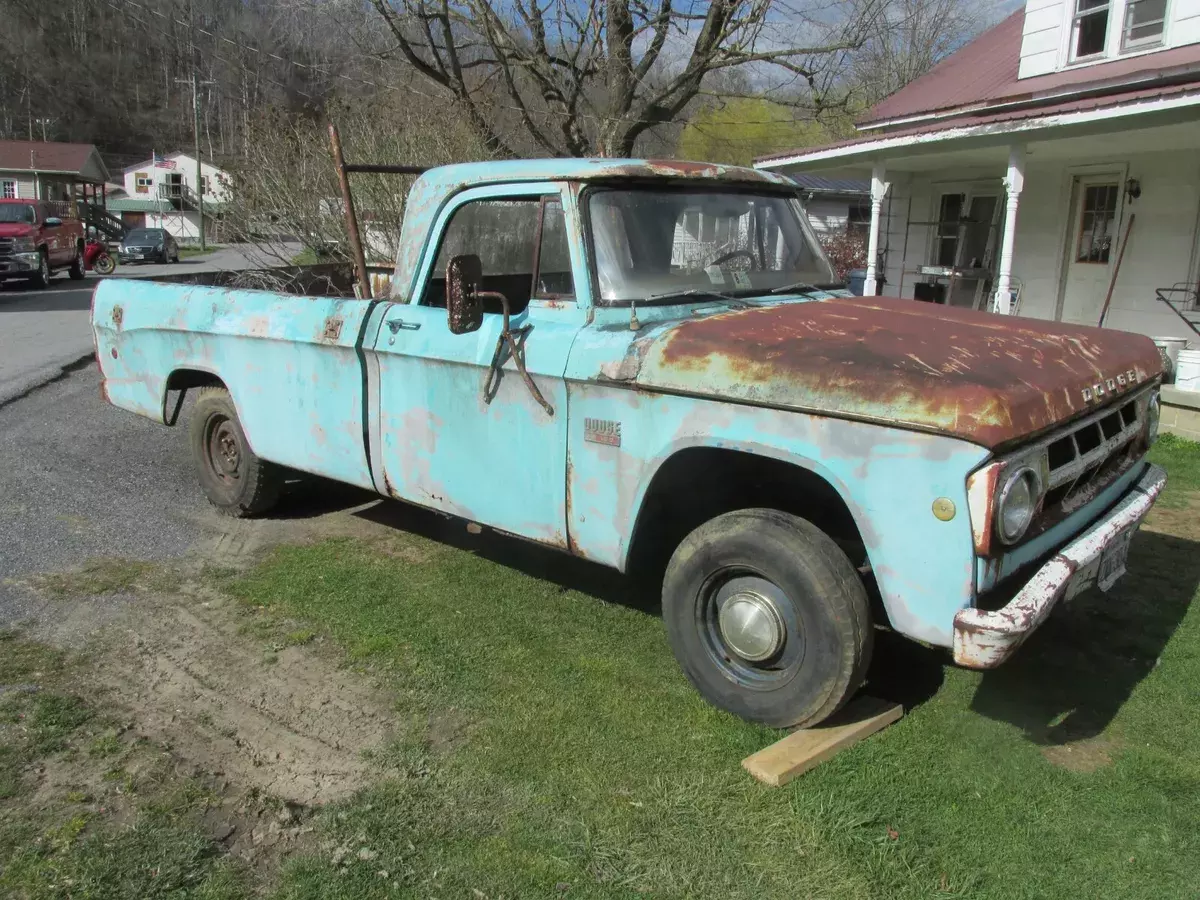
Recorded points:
1089,455
6,246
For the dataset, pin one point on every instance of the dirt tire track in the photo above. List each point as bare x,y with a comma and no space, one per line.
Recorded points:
296,728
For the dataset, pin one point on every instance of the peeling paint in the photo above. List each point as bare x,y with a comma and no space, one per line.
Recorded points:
985,639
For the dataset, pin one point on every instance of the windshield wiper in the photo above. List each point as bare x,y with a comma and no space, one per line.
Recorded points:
699,292
799,287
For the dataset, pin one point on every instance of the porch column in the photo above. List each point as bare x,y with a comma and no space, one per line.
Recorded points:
879,188
1014,182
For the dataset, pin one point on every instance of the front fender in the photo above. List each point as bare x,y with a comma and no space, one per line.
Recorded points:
888,479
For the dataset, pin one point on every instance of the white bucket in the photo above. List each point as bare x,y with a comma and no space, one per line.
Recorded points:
1168,349
1187,370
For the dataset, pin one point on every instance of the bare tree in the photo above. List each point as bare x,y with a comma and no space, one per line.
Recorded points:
909,39
587,77
284,190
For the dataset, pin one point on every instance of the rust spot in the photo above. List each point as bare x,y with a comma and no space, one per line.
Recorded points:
118,316
571,547
333,329
114,352
988,379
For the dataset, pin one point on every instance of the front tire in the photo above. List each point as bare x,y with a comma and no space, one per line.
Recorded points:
41,280
235,480
768,617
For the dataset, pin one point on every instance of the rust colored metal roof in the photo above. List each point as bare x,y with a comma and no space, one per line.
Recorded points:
992,380
978,85
43,156
981,69
983,117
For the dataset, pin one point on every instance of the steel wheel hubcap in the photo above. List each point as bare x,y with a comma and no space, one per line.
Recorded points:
751,626
224,451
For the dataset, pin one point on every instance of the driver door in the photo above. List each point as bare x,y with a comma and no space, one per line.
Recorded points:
441,438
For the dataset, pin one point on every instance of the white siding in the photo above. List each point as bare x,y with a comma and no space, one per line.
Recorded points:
1185,22
24,185
827,216
185,227
185,167
1163,246
1042,36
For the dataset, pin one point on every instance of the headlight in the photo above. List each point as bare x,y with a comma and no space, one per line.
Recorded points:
23,245
1153,414
1016,504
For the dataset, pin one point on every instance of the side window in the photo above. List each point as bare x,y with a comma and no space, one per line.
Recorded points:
554,254
504,234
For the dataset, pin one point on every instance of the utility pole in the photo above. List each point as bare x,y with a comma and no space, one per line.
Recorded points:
196,82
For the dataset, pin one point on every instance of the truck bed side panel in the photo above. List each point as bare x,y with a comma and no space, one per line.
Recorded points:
290,364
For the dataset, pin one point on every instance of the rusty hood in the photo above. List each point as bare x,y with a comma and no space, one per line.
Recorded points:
988,379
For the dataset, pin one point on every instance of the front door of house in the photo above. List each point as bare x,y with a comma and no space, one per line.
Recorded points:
1092,247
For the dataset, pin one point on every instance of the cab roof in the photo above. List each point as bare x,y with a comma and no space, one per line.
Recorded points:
436,186
574,169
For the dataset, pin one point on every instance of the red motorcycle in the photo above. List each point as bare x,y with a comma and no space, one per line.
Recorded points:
96,256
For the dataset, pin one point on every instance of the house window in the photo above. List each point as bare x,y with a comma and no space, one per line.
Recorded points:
1144,22
949,223
142,182
204,186
858,220
1097,217
10,190
1090,32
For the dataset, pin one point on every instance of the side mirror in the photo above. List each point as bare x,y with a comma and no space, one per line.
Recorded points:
52,222
464,306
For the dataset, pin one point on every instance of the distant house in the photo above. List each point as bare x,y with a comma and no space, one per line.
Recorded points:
162,192
44,170
836,206
1009,176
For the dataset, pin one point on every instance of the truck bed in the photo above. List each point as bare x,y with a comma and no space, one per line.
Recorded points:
294,369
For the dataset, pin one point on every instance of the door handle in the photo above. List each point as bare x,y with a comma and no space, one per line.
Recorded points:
397,324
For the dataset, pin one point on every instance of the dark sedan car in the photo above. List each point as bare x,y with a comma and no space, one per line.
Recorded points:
149,245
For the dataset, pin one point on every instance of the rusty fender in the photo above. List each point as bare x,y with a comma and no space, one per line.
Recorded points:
984,640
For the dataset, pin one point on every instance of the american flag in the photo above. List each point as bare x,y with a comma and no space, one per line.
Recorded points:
161,162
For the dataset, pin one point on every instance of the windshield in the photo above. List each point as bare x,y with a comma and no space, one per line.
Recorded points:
17,213
144,236
656,244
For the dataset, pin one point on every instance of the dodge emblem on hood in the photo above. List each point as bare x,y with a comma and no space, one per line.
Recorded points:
1100,389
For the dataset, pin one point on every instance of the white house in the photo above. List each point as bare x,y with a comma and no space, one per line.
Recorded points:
1055,156
836,206
163,192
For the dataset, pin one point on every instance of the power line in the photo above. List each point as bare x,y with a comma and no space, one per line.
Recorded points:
323,70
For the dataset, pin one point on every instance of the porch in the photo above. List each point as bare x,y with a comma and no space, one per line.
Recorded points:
1036,218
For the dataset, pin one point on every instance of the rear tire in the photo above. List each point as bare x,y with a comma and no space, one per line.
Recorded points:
76,271
768,617
235,480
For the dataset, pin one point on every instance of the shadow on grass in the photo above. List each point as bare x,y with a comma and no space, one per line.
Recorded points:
1073,675
568,572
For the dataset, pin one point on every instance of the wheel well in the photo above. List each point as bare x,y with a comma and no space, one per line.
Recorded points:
185,379
700,483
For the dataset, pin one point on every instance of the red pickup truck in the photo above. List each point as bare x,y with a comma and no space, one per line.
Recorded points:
38,238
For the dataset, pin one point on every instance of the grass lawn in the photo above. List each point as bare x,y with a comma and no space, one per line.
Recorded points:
550,746
563,750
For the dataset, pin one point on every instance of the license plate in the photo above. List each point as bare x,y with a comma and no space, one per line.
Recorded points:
1112,561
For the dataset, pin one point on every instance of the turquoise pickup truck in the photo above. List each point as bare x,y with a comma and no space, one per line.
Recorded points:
651,365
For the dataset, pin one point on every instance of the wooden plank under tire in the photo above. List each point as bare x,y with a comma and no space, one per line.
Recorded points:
807,748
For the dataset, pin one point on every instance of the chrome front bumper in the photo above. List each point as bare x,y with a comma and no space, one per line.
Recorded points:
20,263
983,639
